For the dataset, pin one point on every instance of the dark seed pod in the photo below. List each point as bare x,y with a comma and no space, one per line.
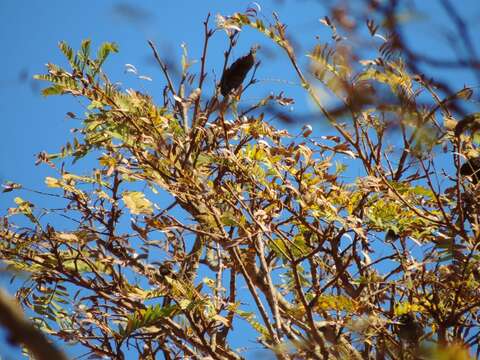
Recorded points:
164,270
471,168
470,122
409,329
234,75
391,236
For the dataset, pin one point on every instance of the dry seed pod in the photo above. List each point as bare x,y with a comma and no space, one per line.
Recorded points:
233,76
391,236
470,122
471,168
409,329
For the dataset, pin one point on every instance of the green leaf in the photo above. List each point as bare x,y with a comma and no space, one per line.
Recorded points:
53,90
250,318
146,317
102,54
105,50
229,219
84,53
68,52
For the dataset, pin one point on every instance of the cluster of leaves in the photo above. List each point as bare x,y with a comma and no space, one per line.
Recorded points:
254,205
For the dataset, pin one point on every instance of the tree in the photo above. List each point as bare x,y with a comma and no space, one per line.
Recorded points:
384,266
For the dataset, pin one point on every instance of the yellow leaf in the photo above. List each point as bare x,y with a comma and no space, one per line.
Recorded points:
209,282
222,319
449,123
137,203
184,303
52,182
18,200
24,207
67,237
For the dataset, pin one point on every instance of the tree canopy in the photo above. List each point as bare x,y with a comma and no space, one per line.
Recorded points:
200,213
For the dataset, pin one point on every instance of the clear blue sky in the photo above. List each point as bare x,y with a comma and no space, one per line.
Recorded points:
30,31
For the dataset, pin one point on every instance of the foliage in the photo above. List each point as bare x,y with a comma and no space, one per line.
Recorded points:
256,207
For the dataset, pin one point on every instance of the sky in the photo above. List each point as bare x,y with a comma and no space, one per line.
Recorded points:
30,31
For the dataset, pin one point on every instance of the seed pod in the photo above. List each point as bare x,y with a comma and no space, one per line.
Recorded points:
164,270
409,329
470,122
471,168
232,77
391,236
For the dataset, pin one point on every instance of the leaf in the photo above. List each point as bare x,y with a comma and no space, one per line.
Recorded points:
10,186
52,182
338,303
84,53
223,320
102,54
137,203
228,219
146,317
68,52
67,237
184,303
449,123
185,63
250,318
451,352
53,90
25,208
406,307
466,93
